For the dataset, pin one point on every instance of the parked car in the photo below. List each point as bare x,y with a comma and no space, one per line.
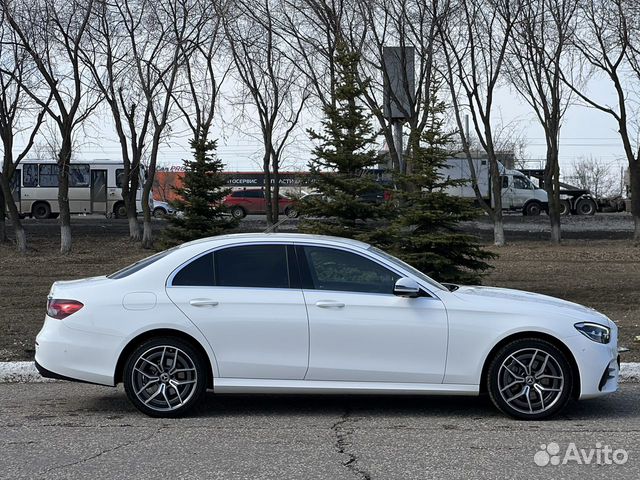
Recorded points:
277,313
252,202
161,209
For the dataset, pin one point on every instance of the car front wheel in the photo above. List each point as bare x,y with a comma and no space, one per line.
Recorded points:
530,379
165,377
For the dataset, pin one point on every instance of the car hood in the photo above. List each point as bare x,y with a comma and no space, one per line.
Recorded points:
534,299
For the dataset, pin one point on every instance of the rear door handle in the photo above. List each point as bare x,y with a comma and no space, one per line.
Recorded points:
203,302
329,304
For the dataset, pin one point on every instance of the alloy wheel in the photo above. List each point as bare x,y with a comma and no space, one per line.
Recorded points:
531,381
164,378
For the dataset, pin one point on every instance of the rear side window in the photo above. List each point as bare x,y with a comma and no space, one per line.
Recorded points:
136,267
257,266
198,273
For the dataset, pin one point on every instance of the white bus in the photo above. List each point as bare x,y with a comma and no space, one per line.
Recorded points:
95,186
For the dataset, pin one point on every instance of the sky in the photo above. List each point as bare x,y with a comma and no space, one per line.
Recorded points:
585,132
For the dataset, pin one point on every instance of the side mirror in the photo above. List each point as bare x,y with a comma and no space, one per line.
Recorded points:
406,287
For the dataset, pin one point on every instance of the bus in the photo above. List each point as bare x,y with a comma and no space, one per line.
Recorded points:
95,186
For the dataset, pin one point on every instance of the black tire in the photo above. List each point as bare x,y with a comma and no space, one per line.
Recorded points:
120,210
159,212
238,212
533,209
503,369
291,212
565,207
167,400
41,211
586,206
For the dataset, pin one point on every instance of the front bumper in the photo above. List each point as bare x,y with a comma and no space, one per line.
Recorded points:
71,354
598,365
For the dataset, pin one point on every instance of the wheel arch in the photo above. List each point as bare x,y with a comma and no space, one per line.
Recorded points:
161,332
556,342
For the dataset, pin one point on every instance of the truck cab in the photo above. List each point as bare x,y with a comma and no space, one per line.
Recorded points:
519,193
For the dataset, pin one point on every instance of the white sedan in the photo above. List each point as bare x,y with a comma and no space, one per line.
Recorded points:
277,313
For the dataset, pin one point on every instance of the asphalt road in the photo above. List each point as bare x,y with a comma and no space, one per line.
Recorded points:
63,430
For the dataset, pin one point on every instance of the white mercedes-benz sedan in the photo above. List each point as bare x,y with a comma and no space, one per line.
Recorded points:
278,313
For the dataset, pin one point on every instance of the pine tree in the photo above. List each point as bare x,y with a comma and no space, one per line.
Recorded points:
339,164
201,211
426,232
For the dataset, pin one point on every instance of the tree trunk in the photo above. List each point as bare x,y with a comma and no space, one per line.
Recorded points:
498,231
134,226
65,212
634,181
14,214
267,185
552,187
3,223
147,232
275,193
496,195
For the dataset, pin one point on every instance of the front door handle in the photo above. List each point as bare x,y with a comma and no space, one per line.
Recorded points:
203,302
329,304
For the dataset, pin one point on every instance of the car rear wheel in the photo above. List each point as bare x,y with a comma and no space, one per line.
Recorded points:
291,212
238,212
530,379
165,377
41,210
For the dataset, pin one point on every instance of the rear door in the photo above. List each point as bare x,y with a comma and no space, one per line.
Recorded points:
15,187
247,301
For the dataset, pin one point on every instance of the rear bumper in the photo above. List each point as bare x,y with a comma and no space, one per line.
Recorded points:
71,354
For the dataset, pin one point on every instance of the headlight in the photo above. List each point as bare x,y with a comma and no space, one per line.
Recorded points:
595,332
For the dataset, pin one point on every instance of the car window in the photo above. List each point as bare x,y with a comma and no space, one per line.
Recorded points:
30,175
257,266
139,265
333,269
505,182
79,175
254,194
119,177
198,273
49,175
520,183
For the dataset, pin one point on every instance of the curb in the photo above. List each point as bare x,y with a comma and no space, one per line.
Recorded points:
25,372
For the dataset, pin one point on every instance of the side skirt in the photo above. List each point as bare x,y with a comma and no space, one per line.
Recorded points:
250,385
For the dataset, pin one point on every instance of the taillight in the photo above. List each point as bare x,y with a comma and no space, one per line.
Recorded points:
59,309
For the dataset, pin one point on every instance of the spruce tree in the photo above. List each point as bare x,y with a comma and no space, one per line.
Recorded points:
201,212
339,164
425,232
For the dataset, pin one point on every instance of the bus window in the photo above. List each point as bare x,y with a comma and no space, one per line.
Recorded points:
79,176
48,175
30,175
119,176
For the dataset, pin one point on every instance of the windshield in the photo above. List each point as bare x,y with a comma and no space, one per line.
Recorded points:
406,266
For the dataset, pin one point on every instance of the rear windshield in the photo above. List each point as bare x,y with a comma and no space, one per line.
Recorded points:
139,265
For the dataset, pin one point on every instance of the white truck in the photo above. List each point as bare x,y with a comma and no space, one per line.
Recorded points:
518,192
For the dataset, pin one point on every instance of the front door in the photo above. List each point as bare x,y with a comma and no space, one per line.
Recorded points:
253,315
99,191
360,331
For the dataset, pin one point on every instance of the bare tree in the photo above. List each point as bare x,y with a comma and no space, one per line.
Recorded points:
18,115
540,53
270,84
51,33
607,42
590,173
108,55
475,37
158,32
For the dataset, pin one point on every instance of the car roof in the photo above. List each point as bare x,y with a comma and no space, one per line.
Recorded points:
277,237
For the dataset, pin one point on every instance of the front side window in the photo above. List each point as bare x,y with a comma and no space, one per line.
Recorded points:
338,270
79,175
30,175
49,175
521,183
257,266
